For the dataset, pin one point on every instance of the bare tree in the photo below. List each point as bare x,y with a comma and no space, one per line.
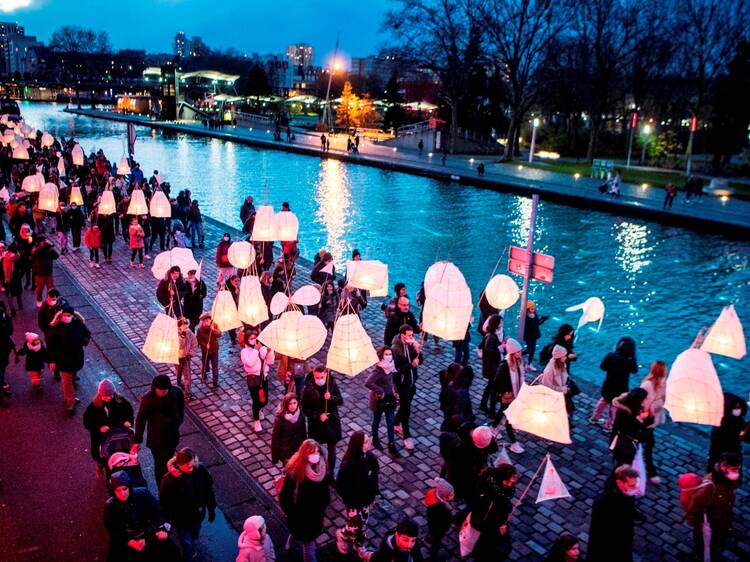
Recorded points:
75,39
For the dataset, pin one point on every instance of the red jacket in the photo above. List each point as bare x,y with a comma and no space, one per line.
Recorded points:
92,238
222,254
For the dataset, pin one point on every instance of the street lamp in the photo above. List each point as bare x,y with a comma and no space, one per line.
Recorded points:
633,125
327,115
534,127
693,127
646,132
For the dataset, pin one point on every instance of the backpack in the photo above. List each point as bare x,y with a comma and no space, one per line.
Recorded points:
546,354
689,483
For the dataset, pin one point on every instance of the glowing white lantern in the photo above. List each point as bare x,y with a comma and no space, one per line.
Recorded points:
287,226
441,272
33,183
181,257
77,155
77,198
251,306
49,198
123,168
162,343
4,195
107,205
447,310
368,275
295,335
20,153
351,350
539,410
501,292
224,311
264,228
137,204
726,336
27,131
159,206
61,166
593,310
47,140
241,254
694,392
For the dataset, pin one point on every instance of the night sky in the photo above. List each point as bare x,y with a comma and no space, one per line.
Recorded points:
247,25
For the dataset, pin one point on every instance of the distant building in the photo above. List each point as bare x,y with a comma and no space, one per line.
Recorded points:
300,54
198,48
8,30
21,54
181,44
279,72
378,67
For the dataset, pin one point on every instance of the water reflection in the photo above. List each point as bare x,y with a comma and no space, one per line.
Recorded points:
334,198
634,249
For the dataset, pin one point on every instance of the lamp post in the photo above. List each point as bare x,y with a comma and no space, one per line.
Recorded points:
327,115
534,126
633,125
646,132
689,152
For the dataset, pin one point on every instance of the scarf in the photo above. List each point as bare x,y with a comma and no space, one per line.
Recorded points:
316,473
292,417
387,366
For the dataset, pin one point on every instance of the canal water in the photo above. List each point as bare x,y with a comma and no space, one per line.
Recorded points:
660,284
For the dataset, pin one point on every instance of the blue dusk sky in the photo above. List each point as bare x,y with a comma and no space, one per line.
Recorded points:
247,25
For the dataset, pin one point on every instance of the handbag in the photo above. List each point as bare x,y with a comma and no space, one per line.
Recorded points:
640,466
387,402
467,537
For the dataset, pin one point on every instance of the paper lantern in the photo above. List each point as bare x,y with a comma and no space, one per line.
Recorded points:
77,155
694,392
33,183
593,310
539,410
123,168
241,254
295,335
4,194
368,275
307,295
77,198
552,487
107,204
224,311
501,292
49,198
162,343
20,153
726,336
137,203
264,228
28,131
47,140
440,272
351,350
181,257
251,306
61,166
159,206
447,310
287,226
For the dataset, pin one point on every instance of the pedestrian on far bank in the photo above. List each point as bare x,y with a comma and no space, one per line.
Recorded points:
670,192
107,410
257,360
656,388
480,169
420,146
321,399
618,365
383,400
136,237
162,410
254,542
208,339
43,255
565,549
66,339
188,349
288,430
532,333
407,357
92,238
75,220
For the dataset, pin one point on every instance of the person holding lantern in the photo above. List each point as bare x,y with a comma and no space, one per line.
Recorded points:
136,236
188,348
76,220
629,427
321,399
256,362
196,291
171,291
407,357
383,400
106,224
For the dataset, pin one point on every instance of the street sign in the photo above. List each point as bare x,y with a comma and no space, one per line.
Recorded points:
542,267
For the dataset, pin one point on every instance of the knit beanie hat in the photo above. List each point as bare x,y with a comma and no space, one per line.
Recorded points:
252,527
119,478
558,352
481,436
106,388
443,488
512,346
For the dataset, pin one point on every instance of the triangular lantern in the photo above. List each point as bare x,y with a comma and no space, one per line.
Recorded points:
61,167
123,168
75,195
137,204
162,343
107,205
726,336
251,306
295,335
224,311
49,198
351,350
552,487
503,457
264,227
368,275
159,206
541,411
694,392
76,155
20,153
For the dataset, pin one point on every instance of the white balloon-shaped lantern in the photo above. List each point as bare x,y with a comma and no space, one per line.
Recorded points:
33,183
694,392
162,343
159,206
287,226
593,311
726,336
351,350
241,254
447,310
77,198
20,152
440,272
264,227
181,257
123,168
501,292
49,198
251,306
368,275
295,335
107,205
76,154
224,311
47,140
137,204
539,410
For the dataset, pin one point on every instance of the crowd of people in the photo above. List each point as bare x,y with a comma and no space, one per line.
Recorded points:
476,489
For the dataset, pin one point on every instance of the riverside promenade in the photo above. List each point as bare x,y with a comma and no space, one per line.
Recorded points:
730,217
126,298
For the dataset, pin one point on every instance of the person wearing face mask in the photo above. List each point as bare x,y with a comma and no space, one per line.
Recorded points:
75,219
106,410
508,381
613,514
304,498
222,259
728,436
490,515
186,495
710,509
288,430
383,400
492,348
401,544
254,543
256,362
66,340
321,399
629,427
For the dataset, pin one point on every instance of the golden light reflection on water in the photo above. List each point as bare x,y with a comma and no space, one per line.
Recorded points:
334,200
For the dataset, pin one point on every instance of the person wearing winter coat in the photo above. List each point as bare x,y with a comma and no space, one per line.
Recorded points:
323,269
106,411
613,514
92,238
465,453
43,255
655,385
728,436
508,381
329,304
401,544
531,333
555,374
222,259
712,504
357,485
492,347
62,228
6,346
321,399
75,220
106,224
288,430
485,311
618,365
457,400
247,215
445,377
491,511
304,497
382,400
400,316
439,502
195,225
171,291
162,410
188,349
208,339
254,543
631,421
407,357
186,495
136,236
257,360
566,548
292,373
195,293
66,339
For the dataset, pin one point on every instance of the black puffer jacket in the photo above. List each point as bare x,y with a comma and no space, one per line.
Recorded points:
186,497
357,481
65,343
163,416
287,436
314,404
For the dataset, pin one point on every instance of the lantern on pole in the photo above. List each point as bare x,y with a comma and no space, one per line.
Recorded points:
162,343
159,206
368,275
77,198
726,336
123,168
107,204
20,152
287,226
224,311
295,335
76,154
251,306
694,392
351,350
593,310
137,204
47,140
447,310
264,228
502,292
539,410
181,257
60,167
33,183
440,272
241,254
49,198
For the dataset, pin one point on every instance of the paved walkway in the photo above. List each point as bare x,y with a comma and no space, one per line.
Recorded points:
127,297
731,217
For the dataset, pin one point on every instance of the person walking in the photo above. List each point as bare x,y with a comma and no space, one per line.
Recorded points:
631,421
162,410
92,238
195,293
36,360
670,192
136,237
492,347
43,254
188,349
618,365
256,362
439,502
509,380
329,304
288,430
321,399
728,436
304,498
465,454
456,400
75,220
186,495
491,513
66,340
247,215
208,339
357,484
407,357
401,315
171,292
400,544
107,410
106,224
382,400
656,388
195,225
222,259
254,543
613,515
62,227
532,333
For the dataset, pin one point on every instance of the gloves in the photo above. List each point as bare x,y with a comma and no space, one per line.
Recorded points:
211,515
